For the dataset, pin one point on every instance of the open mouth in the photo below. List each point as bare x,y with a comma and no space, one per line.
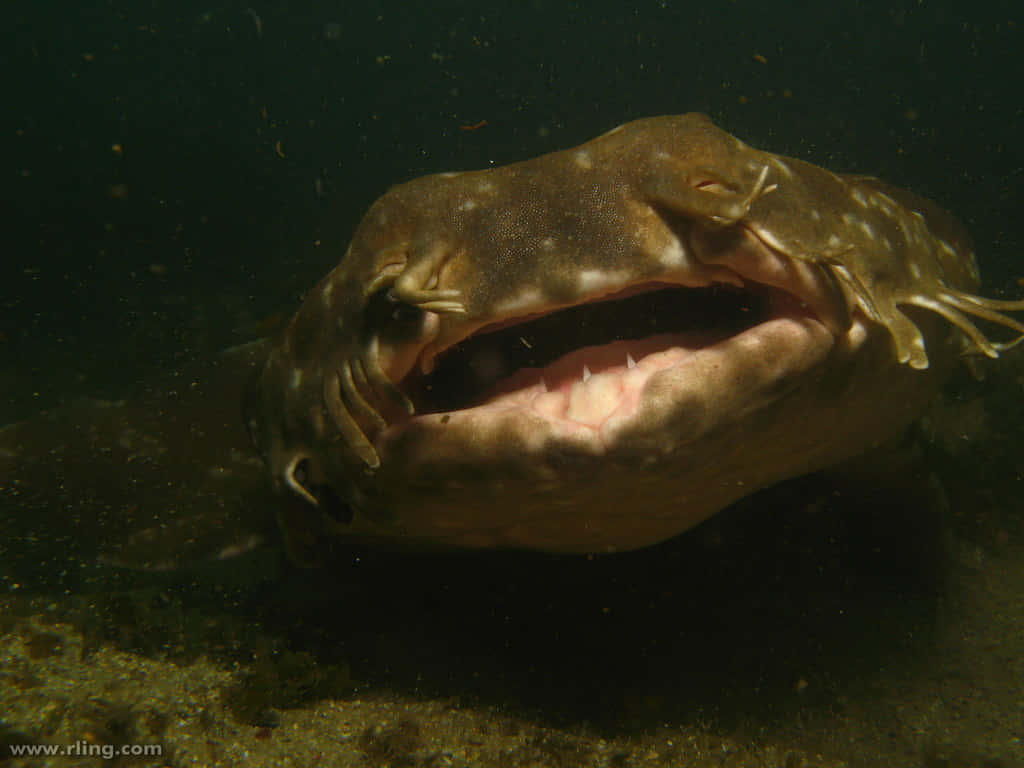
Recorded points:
579,348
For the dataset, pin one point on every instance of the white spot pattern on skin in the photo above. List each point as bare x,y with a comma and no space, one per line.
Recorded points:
786,171
467,205
528,299
867,229
815,214
770,238
594,280
915,270
450,174
673,254
485,187
834,241
547,244
907,236
733,211
858,197
297,376
662,156
582,159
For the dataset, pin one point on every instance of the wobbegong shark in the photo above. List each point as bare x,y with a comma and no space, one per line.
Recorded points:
597,349
590,351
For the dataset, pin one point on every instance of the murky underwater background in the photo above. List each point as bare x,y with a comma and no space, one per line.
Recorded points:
178,174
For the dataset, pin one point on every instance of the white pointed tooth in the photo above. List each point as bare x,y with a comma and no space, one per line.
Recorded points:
586,374
630,362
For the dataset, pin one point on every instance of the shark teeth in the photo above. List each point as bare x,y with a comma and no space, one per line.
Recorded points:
585,376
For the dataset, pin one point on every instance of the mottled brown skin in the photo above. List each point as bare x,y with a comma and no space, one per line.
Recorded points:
845,365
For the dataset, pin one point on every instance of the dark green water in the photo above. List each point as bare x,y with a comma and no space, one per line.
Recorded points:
176,175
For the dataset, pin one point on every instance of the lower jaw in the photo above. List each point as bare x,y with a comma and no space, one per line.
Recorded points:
720,375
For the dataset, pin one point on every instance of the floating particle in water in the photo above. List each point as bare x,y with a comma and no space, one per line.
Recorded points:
257,21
